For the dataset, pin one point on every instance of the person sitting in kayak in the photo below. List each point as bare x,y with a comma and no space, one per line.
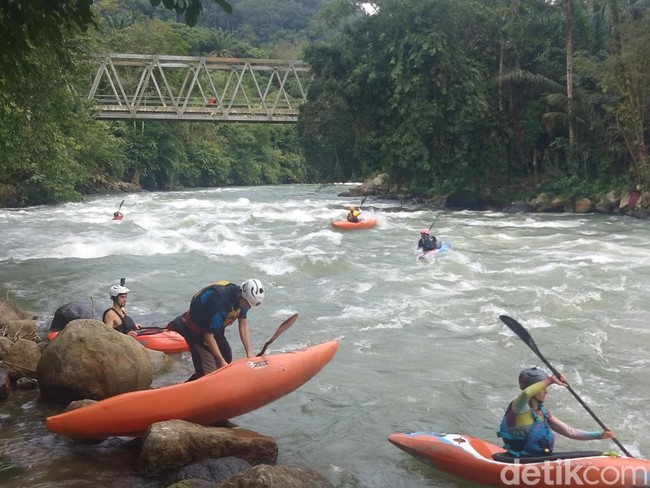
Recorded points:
527,426
116,316
118,215
427,241
353,214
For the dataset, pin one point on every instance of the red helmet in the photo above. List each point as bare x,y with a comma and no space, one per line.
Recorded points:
425,232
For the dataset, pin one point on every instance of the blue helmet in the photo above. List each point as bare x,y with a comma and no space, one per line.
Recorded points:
531,376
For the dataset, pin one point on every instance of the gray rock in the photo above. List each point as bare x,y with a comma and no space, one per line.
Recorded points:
212,470
264,476
174,443
73,311
90,360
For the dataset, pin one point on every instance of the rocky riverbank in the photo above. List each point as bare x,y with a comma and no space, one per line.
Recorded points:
633,203
175,452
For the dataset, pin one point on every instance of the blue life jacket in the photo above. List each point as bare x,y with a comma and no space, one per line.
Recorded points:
538,440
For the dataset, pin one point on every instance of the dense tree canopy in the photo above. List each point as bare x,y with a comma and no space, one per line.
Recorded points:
465,93
439,94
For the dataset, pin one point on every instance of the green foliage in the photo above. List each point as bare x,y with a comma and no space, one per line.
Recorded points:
191,9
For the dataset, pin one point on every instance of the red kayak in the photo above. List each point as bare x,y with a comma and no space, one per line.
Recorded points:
235,389
154,338
364,223
482,462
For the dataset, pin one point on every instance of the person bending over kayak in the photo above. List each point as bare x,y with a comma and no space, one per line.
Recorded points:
116,316
353,214
527,426
212,309
427,241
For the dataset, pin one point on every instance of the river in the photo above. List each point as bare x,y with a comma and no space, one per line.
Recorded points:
421,345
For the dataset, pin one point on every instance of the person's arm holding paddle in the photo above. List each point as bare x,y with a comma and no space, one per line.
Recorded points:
565,429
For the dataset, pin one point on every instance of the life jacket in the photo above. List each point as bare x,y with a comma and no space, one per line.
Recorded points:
219,297
353,216
537,440
127,324
428,243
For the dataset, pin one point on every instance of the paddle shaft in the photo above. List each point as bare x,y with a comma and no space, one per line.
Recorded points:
523,334
283,327
120,207
434,221
363,201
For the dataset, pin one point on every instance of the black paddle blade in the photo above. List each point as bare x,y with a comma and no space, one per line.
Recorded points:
521,332
283,327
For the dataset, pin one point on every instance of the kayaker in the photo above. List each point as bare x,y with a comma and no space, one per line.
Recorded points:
527,426
118,215
353,214
427,241
212,309
116,316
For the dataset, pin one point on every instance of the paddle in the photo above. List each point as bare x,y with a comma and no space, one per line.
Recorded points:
283,327
523,334
363,201
434,221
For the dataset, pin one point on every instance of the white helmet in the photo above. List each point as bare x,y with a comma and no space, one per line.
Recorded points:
253,292
118,290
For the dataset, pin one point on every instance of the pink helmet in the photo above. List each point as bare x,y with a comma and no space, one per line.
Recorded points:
425,232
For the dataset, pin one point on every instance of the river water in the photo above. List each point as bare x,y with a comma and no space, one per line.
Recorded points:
421,345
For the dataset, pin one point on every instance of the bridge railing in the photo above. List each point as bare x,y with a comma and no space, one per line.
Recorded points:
137,86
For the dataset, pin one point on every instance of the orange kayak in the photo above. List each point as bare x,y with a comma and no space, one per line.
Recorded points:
154,338
482,462
366,223
238,388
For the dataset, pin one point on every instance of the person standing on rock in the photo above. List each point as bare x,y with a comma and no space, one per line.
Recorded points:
212,309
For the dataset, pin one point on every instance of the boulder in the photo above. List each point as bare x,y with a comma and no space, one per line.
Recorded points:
5,384
211,470
5,345
74,311
10,311
264,476
582,206
608,203
174,443
519,207
465,200
90,360
20,329
22,358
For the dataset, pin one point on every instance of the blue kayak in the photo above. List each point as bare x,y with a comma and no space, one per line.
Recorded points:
428,256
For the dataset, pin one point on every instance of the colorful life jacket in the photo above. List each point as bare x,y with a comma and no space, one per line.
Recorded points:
537,440
218,299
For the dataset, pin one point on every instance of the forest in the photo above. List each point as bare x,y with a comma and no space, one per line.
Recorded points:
497,96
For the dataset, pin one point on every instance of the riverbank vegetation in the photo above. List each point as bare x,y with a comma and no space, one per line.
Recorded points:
499,97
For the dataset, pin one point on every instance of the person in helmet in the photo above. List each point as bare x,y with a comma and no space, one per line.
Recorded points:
353,214
527,426
116,316
427,241
212,309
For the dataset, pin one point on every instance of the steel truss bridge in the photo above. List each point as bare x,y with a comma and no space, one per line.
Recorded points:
198,89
